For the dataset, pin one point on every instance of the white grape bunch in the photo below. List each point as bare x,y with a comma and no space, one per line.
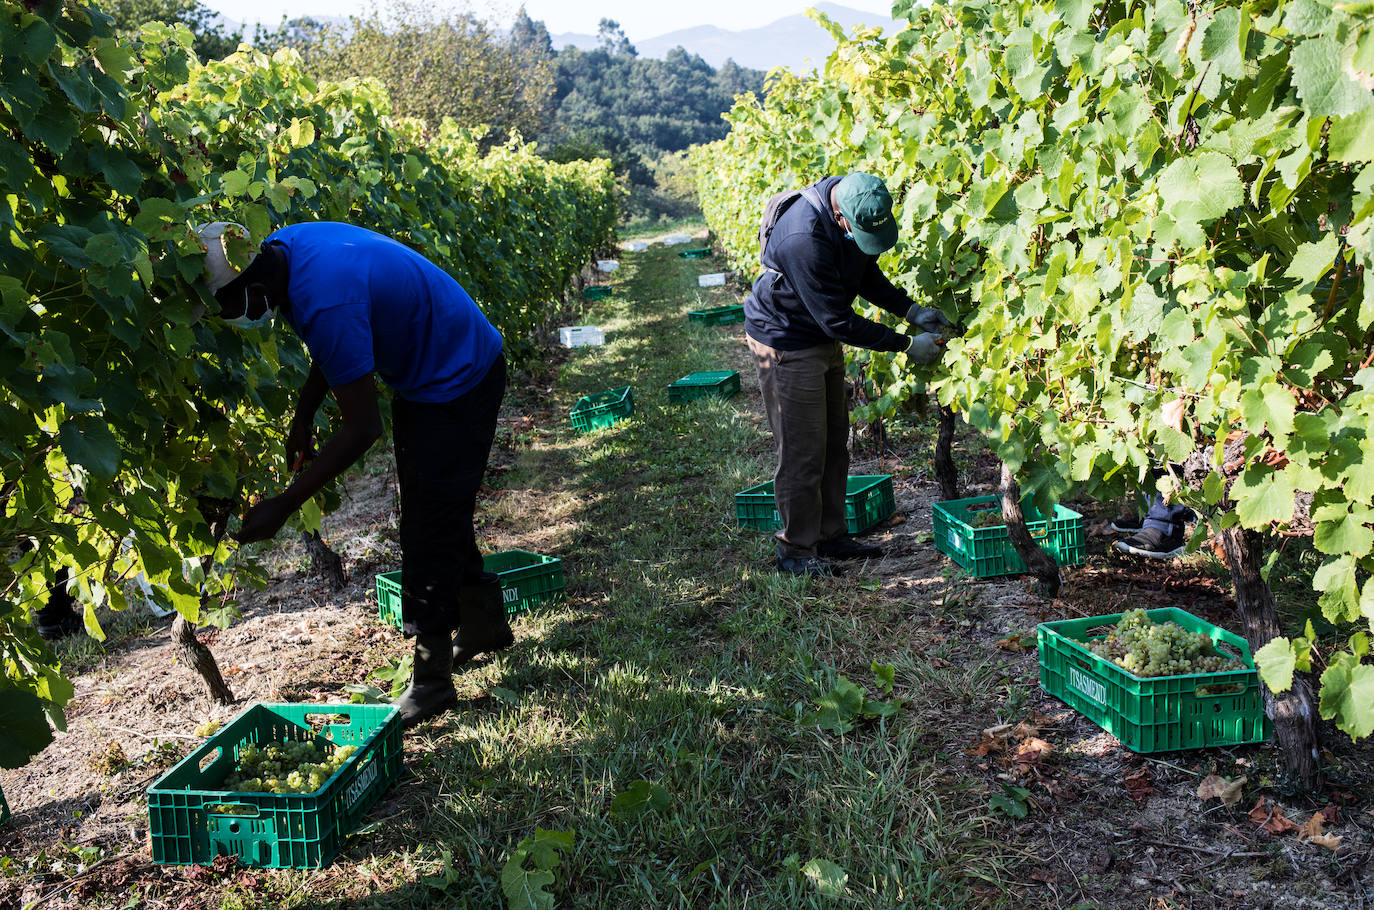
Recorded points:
1160,649
289,767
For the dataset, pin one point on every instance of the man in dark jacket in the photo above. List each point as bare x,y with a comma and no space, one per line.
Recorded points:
822,253
368,306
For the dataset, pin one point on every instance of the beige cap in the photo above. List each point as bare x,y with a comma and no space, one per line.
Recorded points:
215,236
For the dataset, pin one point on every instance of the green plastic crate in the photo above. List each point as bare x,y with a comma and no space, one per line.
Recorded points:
596,291
988,552
706,384
868,500
1155,714
592,412
527,580
4,808
718,315
275,830
698,253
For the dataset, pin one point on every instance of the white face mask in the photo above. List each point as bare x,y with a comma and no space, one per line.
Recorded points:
244,321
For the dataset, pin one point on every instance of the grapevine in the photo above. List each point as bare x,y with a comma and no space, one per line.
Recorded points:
1125,205
124,407
1147,649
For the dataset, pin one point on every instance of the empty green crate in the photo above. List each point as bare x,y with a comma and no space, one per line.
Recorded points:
718,315
988,552
527,580
711,383
4,808
868,500
699,253
274,830
592,412
596,291
1156,714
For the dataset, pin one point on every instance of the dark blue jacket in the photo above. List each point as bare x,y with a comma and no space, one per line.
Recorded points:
805,297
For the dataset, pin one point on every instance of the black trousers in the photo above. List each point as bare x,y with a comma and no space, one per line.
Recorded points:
441,454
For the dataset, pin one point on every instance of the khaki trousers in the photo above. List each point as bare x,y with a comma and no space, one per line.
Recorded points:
804,397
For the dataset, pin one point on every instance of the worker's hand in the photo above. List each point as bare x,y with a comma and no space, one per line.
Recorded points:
926,348
264,520
929,319
300,443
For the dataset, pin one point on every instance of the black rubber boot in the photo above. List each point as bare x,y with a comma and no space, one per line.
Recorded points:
482,622
431,689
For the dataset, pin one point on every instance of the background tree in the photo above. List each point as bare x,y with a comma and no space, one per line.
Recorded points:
445,61
212,40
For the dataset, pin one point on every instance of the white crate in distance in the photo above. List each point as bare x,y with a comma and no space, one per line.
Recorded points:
675,239
713,280
576,336
634,246
607,265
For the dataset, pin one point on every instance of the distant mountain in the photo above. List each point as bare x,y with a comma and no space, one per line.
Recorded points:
793,41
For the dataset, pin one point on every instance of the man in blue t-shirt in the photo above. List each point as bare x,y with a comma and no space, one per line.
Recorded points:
365,304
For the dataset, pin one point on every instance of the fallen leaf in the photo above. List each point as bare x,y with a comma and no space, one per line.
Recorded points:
1330,814
1271,819
1030,753
1026,731
940,662
986,745
1139,785
1012,643
1047,876
1331,842
1214,786
1313,828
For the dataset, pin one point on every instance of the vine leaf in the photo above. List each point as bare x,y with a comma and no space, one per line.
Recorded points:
1323,85
26,727
829,878
1276,662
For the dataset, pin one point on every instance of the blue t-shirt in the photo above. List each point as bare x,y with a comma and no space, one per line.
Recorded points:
363,302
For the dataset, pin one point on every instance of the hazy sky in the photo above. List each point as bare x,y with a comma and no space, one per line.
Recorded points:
639,19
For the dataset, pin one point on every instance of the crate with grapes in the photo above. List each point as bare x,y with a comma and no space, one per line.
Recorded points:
280,787
1156,679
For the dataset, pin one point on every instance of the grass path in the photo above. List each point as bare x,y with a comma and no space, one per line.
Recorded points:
681,660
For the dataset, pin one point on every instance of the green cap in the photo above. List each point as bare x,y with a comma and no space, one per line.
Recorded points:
867,206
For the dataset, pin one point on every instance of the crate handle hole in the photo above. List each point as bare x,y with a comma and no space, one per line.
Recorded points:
233,827
320,721
211,757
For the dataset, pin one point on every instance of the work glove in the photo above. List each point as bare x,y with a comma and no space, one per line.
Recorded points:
925,348
929,319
